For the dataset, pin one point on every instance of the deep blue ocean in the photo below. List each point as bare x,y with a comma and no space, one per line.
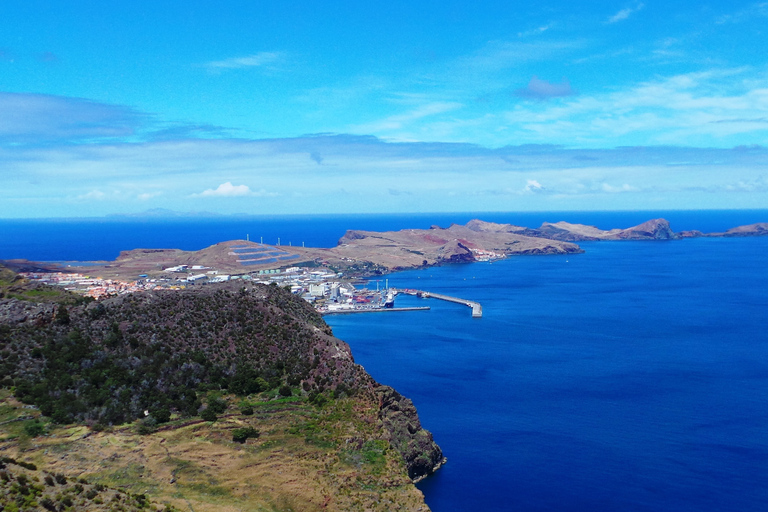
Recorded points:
633,377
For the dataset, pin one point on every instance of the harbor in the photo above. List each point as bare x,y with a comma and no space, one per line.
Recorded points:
384,300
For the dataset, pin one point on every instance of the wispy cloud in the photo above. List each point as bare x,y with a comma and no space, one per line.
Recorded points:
37,118
625,13
400,121
534,31
613,189
500,55
702,107
146,196
375,176
538,89
256,60
749,13
93,195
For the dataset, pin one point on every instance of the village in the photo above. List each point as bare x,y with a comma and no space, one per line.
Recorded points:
328,291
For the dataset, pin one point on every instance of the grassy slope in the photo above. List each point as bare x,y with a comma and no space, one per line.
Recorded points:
307,458
13,286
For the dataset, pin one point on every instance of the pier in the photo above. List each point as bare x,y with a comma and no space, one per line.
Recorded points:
477,309
370,310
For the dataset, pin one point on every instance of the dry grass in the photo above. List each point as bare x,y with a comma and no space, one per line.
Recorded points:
306,459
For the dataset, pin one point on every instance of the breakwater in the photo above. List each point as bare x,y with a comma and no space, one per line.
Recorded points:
477,309
371,310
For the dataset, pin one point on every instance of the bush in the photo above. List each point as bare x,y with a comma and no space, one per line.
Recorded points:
246,408
217,405
62,315
318,399
161,414
263,384
285,391
34,428
147,426
208,415
240,435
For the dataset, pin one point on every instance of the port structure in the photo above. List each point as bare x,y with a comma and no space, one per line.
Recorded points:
477,309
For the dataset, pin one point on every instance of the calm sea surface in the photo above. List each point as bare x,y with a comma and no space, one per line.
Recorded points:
633,377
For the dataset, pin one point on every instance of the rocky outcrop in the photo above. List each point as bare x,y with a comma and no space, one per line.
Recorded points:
351,235
455,252
421,454
656,229
17,312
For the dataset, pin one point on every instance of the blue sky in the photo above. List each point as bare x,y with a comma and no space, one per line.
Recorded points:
344,107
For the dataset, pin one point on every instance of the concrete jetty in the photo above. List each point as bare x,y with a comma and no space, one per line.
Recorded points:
370,310
477,309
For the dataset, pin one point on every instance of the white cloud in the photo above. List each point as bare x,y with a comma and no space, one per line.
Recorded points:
226,190
255,60
611,189
625,13
533,186
93,195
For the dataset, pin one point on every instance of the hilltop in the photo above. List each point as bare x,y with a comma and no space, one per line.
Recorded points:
230,376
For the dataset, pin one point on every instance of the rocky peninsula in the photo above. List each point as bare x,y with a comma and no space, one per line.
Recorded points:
366,253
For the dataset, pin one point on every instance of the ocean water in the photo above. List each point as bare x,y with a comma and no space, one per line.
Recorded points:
633,377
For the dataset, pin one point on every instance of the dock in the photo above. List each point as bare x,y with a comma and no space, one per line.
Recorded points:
477,309
371,310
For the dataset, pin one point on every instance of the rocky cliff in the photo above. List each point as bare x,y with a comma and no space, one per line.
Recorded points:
419,450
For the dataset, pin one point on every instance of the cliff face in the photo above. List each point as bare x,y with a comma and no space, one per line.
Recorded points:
421,454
